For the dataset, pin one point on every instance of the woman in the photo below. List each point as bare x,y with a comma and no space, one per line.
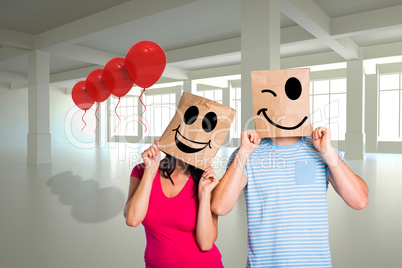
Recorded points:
172,201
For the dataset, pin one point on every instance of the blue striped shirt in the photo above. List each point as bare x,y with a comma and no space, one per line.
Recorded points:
286,199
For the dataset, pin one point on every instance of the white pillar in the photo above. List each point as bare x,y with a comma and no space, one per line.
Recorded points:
39,139
260,47
355,136
187,87
371,112
101,132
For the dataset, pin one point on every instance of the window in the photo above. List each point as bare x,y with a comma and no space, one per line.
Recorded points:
235,103
160,103
222,90
212,94
160,109
328,106
127,110
390,125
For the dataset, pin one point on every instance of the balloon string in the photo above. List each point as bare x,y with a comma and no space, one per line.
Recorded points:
97,107
115,111
84,120
143,111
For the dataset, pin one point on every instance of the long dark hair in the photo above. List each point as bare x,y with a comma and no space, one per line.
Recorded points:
169,164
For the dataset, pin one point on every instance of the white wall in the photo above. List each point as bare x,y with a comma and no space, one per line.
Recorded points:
66,120
60,104
13,117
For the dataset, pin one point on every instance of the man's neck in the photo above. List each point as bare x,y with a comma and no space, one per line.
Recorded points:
284,141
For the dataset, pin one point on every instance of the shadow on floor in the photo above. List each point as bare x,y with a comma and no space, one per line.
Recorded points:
88,202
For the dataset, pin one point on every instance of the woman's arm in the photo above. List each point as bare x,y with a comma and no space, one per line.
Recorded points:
134,182
140,190
207,222
353,189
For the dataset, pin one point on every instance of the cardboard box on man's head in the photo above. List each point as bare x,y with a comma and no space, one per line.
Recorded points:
281,102
197,130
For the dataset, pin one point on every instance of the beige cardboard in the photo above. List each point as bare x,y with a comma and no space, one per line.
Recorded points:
185,137
281,102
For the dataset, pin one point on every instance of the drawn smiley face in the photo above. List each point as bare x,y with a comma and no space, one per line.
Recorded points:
209,122
281,102
197,130
293,91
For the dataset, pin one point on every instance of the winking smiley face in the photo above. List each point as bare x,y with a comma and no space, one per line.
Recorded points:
281,102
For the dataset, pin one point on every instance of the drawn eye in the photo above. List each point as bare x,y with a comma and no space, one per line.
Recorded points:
191,115
293,88
268,91
209,122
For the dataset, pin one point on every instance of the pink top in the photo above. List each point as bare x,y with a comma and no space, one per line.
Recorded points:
170,229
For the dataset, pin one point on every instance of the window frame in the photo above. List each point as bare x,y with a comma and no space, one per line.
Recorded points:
159,91
234,85
399,90
141,137
329,94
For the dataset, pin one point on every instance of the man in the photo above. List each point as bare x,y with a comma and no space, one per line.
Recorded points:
285,181
285,176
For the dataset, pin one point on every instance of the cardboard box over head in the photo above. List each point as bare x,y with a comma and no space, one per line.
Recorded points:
281,102
197,130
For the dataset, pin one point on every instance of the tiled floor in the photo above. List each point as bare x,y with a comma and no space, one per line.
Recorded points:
69,213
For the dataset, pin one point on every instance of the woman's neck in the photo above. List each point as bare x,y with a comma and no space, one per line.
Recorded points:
182,167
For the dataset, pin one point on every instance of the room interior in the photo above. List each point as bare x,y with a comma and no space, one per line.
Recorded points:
63,187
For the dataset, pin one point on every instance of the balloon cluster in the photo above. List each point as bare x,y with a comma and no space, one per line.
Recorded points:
143,65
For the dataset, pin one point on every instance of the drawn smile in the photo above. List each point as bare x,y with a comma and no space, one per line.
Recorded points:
185,148
263,111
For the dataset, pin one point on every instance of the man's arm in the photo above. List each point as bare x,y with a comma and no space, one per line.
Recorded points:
234,180
353,189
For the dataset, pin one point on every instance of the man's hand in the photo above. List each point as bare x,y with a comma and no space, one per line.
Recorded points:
249,141
321,138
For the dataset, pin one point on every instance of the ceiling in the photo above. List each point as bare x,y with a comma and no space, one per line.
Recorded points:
82,35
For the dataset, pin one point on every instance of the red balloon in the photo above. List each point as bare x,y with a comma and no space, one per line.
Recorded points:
81,97
145,62
116,78
95,86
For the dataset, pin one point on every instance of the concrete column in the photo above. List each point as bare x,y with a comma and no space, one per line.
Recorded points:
260,47
355,136
371,112
226,95
39,139
101,131
187,87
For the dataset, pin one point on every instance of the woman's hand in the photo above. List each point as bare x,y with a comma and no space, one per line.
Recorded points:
140,188
152,157
207,183
207,222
